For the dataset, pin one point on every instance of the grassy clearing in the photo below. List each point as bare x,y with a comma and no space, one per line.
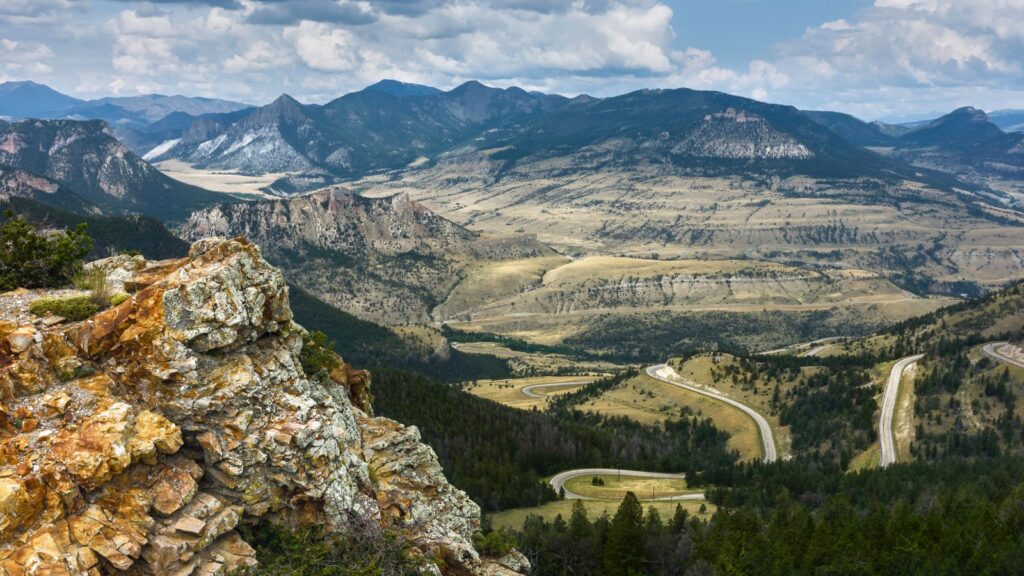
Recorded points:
903,418
615,487
867,459
510,392
215,181
648,400
494,281
515,517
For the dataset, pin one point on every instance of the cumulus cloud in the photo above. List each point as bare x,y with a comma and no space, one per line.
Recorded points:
229,4
33,11
322,47
25,59
293,11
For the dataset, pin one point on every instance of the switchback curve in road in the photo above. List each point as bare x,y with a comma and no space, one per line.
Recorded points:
892,390
992,351
666,374
558,481
529,390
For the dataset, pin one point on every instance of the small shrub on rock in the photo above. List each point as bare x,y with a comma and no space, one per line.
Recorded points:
318,355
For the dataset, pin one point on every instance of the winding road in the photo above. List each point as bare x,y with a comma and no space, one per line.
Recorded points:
817,350
666,374
558,482
817,346
991,350
892,391
529,390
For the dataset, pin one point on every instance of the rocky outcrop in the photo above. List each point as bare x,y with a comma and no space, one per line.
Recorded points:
137,441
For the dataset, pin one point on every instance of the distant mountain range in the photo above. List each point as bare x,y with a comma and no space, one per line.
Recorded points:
138,121
391,126
1008,120
966,142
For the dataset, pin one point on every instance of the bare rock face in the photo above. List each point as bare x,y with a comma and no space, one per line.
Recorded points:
137,441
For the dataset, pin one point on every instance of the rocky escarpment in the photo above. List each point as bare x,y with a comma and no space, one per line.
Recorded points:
388,260
137,441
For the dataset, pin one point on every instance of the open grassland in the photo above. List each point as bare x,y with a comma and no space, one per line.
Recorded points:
243,185
510,392
549,286
613,487
492,281
648,400
655,333
515,517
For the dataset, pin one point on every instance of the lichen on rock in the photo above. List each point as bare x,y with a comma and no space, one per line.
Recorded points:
138,440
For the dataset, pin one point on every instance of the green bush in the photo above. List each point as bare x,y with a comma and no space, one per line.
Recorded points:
29,259
73,308
317,354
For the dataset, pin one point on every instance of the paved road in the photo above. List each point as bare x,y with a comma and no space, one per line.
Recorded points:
820,342
892,390
558,482
667,375
529,390
991,350
817,350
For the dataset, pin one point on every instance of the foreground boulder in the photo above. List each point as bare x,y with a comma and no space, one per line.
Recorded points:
138,440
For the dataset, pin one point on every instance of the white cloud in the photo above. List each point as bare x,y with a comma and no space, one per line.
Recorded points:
23,60
323,47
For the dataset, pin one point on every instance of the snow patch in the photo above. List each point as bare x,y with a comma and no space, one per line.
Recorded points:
161,149
208,147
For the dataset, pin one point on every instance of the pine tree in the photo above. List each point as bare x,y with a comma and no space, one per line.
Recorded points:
679,520
623,554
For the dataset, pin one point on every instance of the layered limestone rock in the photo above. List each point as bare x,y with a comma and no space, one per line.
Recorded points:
138,440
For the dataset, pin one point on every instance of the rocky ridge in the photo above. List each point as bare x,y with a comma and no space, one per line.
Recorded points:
135,442
87,159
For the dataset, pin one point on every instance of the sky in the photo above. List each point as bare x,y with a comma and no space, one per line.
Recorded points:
888,59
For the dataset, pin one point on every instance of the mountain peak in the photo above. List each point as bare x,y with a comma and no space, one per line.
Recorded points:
401,89
469,86
284,100
965,129
28,99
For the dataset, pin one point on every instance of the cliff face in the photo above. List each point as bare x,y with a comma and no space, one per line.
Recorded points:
138,440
